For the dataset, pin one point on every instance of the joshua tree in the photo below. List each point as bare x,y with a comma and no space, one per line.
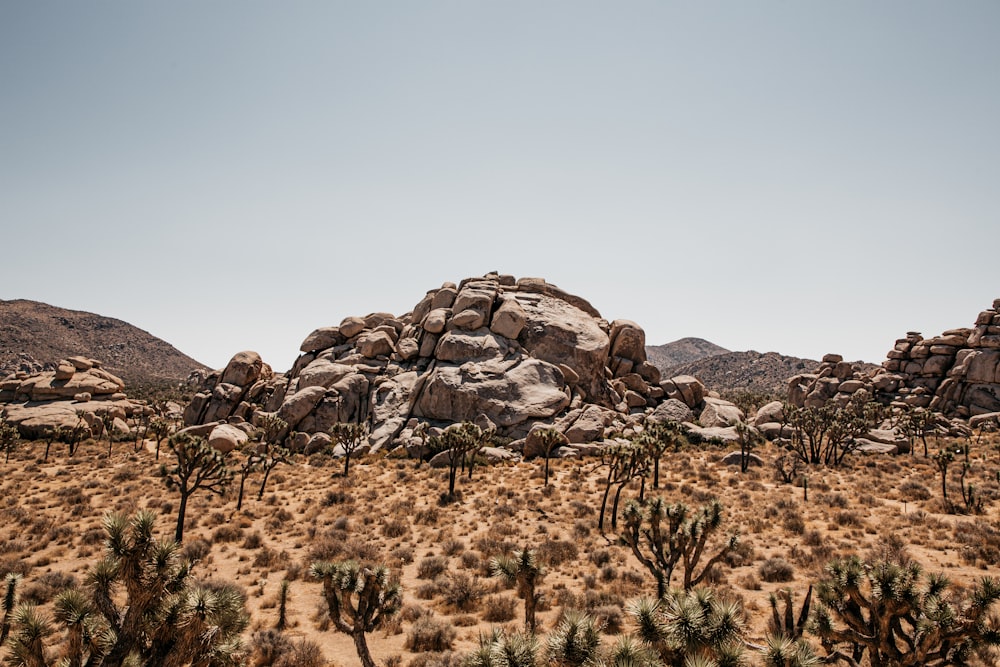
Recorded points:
137,608
283,604
522,569
623,464
350,437
662,535
272,455
970,495
198,467
499,649
359,599
575,642
159,427
657,437
943,459
9,603
463,442
52,435
10,437
689,626
108,422
81,423
748,437
250,464
550,440
890,612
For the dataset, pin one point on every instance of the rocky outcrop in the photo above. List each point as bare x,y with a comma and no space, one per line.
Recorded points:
956,373
73,396
504,352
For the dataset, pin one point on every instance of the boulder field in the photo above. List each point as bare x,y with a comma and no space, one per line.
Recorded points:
956,373
506,353
73,396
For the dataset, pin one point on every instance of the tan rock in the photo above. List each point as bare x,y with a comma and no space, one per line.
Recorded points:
469,319
351,327
436,320
376,344
321,339
64,370
243,369
509,319
628,341
224,438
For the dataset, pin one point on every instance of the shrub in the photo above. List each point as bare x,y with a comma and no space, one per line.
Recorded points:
432,567
395,528
776,569
499,609
462,591
430,634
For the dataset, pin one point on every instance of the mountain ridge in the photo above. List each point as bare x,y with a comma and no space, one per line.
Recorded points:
35,335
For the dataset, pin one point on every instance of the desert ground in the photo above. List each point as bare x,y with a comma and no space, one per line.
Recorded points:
388,511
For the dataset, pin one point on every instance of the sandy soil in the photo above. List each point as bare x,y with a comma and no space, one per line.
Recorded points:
388,511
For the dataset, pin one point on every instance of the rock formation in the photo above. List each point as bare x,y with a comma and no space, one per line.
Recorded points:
40,402
956,373
505,353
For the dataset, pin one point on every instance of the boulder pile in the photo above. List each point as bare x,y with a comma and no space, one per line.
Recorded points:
956,373
506,353
41,402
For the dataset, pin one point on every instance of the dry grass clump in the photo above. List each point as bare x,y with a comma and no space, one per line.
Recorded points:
430,634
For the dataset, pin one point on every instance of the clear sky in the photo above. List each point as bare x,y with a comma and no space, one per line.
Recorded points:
804,177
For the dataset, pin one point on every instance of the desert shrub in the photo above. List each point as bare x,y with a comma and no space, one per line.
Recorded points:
440,659
470,560
428,591
980,542
412,612
793,522
610,617
499,609
270,559
268,646
462,591
848,518
776,569
427,516
430,634
452,547
196,550
253,541
46,587
555,552
395,528
336,498
227,533
403,554
431,567
913,491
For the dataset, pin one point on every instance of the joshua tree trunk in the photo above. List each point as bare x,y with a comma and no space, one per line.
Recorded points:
361,646
530,602
181,510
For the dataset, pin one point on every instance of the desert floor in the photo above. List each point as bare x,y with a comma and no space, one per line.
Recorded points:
388,511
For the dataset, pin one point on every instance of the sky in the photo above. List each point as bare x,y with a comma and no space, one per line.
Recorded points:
803,177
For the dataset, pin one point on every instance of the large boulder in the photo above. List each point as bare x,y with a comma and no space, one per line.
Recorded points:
671,410
243,369
507,392
718,412
685,388
224,438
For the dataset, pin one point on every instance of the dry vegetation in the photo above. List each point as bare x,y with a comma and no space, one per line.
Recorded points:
388,511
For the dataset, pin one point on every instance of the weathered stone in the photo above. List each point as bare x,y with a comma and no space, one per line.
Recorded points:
436,320
351,327
300,404
64,370
469,319
83,363
243,369
533,444
509,319
323,373
508,393
685,388
736,458
321,339
628,341
224,438
82,397
770,412
671,409
376,344
444,297
589,426
718,412
460,346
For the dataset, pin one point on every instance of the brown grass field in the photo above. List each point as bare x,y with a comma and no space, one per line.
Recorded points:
388,511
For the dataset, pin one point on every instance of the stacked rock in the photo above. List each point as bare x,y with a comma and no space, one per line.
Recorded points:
41,402
956,373
506,353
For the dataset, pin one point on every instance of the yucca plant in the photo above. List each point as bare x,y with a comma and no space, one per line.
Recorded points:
360,598
575,641
691,625
523,570
890,613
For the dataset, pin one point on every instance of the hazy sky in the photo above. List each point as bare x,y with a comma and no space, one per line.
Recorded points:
805,177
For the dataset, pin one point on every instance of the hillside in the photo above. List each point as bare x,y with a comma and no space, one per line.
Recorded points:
34,334
681,351
745,371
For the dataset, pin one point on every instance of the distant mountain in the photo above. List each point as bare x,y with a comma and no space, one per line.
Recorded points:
681,351
35,335
745,371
